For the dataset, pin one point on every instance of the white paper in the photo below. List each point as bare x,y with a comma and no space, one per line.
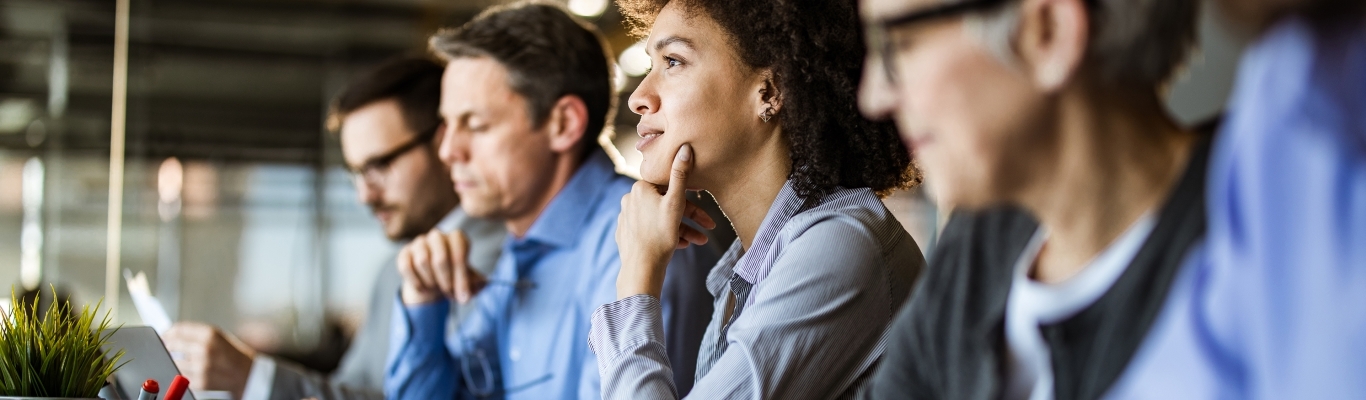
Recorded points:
149,308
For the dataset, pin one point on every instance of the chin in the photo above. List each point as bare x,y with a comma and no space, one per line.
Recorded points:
479,207
476,210
398,234
653,173
961,197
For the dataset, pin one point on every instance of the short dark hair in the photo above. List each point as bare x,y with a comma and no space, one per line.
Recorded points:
413,81
815,50
1261,14
548,55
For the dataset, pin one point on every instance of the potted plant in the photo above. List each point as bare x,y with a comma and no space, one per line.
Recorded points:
55,355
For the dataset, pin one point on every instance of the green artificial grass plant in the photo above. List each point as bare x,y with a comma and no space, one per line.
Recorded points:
57,354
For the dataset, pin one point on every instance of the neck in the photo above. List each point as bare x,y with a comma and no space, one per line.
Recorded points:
1114,160
565,167
751,187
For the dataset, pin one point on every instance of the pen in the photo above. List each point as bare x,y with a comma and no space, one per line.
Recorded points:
150,389
177,389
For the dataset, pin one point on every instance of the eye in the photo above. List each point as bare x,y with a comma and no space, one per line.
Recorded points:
671,62
902,44
900,40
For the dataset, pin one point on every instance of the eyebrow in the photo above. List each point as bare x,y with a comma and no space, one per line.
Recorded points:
671,40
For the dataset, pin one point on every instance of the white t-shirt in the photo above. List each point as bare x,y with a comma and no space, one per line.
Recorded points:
1032,304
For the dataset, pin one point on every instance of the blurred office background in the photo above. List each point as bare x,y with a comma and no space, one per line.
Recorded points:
235,201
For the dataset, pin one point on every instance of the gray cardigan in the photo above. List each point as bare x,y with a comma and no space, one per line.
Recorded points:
949,341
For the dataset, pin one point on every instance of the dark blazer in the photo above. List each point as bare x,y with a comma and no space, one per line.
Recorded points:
949,341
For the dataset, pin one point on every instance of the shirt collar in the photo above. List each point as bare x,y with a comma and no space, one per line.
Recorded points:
753,265
562,220
724,269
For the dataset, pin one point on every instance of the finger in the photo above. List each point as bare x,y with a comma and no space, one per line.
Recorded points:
188,334
465,286
441,261
621,215
682,244
195,354
698,215
477,282
641,189
678,178
406,268
172,337
691,235
422,263
193,371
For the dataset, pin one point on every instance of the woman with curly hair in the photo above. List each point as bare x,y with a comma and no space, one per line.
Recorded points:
756,103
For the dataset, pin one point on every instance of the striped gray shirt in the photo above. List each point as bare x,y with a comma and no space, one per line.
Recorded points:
818,288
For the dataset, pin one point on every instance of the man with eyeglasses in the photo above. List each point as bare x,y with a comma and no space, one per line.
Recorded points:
387,123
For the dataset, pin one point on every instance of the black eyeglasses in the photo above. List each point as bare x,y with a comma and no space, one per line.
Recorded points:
879,40
373,170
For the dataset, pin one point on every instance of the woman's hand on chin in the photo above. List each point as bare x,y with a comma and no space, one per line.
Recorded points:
650,227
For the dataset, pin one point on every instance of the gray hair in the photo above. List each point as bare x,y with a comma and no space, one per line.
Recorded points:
1140,42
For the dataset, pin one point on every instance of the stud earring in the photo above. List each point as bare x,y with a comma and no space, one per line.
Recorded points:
767,114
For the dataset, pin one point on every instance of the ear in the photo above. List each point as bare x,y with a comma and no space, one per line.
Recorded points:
566,125
1052,40
440,137
769,96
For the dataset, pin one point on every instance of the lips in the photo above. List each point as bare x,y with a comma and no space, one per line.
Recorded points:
916,139
647,135
462,180
463,184
919,142
384,216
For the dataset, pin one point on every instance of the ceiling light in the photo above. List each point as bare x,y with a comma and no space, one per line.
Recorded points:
588,8
634,61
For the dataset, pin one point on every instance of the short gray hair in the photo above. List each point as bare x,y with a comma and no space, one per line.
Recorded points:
1140,42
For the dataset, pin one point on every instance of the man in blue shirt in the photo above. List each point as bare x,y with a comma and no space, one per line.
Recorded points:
1272,308
525,91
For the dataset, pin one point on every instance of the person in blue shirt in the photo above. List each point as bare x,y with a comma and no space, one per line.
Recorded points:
1272,308
525,91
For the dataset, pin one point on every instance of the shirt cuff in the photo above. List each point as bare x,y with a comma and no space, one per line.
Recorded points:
261,379
428,321
622,326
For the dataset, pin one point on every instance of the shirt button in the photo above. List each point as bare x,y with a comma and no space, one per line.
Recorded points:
514,354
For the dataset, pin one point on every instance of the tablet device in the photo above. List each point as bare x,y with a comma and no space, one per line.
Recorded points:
147,359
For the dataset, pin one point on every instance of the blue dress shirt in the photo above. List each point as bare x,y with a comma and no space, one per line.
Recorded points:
528,335
1274,306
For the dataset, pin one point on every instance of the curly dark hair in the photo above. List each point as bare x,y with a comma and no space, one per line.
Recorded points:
815,51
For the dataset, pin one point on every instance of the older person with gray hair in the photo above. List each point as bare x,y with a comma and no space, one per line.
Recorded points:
1272,307
1077,196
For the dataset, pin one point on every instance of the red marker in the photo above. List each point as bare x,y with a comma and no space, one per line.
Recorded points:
150,390
177,389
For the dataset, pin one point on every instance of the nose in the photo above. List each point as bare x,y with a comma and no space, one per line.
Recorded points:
367,193
876,95
645,99
454,147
